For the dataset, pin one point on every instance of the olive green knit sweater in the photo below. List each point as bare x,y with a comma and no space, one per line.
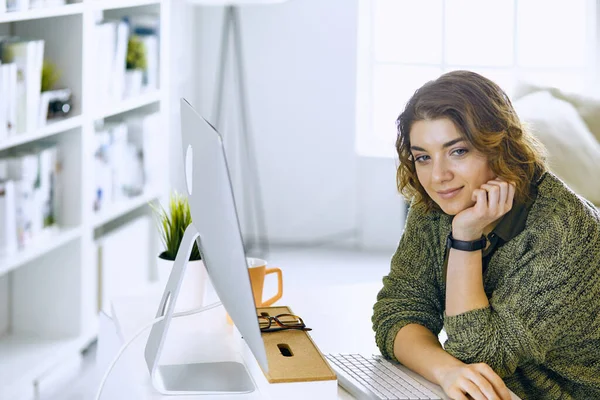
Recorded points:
541,331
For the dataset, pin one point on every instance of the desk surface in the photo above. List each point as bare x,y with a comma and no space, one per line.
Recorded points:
345,331
339,313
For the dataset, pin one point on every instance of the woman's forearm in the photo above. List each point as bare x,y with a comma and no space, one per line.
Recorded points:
417,348
464,282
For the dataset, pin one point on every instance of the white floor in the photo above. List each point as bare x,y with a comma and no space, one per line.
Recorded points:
332,265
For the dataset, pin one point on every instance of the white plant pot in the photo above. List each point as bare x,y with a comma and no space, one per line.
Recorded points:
191,294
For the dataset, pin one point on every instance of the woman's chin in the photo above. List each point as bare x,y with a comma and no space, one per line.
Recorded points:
452,208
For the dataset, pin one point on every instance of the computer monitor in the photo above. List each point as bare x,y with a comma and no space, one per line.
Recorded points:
215,227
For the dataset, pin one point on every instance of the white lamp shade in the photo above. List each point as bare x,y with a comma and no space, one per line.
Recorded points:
233,2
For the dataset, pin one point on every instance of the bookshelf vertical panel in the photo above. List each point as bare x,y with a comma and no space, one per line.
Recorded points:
62,46
46,295
4,305
70,210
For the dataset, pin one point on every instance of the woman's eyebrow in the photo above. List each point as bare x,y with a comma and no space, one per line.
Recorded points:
445,145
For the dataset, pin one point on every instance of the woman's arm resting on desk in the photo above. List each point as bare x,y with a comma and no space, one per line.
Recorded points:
409,311
418,348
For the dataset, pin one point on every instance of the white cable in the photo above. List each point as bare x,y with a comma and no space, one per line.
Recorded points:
138,333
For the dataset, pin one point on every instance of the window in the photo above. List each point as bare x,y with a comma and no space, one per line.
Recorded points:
405,43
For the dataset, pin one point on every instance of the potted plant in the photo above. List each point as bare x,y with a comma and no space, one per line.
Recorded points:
172,224
135,66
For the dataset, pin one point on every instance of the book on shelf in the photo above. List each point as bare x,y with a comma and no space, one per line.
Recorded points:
111,51
147,28
8,100
144,134
17,5
31,184
28,56
118,170
8,228
45,3
23,5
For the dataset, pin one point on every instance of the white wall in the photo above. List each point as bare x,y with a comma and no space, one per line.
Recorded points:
301,75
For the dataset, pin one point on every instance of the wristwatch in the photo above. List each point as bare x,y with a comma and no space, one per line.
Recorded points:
466,245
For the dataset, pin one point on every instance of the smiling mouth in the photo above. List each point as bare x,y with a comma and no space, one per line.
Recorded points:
448,195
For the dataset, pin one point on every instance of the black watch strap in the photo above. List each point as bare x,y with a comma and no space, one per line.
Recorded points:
464,245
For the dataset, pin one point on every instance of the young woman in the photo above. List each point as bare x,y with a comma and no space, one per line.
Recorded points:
496,250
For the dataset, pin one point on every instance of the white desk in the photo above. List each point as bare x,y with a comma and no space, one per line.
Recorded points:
207,337
346,331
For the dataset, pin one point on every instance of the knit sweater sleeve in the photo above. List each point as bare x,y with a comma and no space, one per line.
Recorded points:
539,301
409,294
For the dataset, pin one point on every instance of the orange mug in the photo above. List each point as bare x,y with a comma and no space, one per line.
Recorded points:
257,269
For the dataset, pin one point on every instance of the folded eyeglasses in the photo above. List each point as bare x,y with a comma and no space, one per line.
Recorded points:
282,322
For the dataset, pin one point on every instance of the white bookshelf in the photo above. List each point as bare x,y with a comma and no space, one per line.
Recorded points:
53,128
49,291
38,248
127,206
131,104
69,9
118,4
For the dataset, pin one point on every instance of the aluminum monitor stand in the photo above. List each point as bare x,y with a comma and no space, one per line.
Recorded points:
189,379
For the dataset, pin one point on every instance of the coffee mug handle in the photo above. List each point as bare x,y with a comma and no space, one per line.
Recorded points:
279,286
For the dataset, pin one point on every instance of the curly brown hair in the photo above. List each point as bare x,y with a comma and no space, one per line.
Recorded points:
484,115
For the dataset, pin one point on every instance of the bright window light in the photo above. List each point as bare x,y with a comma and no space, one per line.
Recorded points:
405,43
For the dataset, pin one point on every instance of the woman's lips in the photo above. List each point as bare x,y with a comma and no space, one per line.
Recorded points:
449,195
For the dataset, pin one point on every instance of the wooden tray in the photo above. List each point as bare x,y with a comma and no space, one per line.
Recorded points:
306,362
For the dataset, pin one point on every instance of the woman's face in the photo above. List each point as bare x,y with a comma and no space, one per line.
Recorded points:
447,166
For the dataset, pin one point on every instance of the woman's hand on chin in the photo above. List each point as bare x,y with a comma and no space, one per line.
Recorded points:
492,201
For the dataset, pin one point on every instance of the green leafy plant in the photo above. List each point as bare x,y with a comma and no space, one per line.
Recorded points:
136,54
50,75
172,224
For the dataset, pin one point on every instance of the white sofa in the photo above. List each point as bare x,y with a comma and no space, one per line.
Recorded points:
569,127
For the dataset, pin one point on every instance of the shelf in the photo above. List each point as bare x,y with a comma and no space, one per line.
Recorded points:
131,104
48,12
37,248
25,358
119,209
51,129
113,4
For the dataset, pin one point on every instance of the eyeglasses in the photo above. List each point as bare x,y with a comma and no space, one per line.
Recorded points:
283,321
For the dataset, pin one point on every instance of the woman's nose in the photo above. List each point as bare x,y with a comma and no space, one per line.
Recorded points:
440,171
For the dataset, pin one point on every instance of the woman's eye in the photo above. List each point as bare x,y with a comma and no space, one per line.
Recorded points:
460,152
421,158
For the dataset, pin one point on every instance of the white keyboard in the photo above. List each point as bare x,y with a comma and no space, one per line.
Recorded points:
375,378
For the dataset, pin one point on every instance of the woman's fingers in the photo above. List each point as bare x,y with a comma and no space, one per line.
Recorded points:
481,201
503,188
493,195
470,388
495,380
511,194
475,381
457,394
